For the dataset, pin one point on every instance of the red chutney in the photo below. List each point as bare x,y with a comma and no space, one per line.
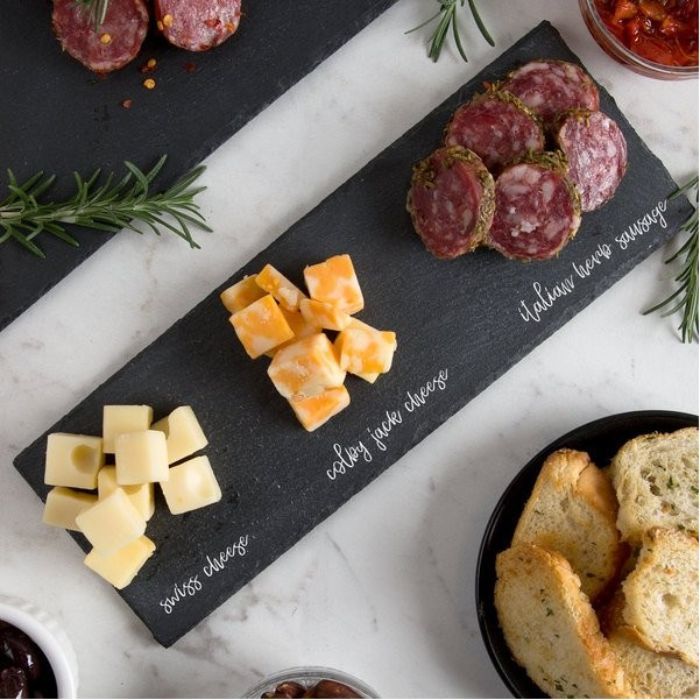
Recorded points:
662,31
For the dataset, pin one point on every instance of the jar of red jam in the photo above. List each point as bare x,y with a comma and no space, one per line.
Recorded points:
657,38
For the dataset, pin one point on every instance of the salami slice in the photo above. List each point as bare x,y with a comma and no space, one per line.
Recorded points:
596,150
498,127
451,201
115,42
537,209
551,87
197,25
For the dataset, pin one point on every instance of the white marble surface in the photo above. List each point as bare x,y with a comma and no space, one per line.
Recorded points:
384,588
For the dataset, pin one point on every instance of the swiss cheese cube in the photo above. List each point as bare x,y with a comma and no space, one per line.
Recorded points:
363,350
111,523
306,368
63,505
141,457
73,460
241,294
183,434
141,496
261,326
123,419
120,567
275,283
314,411
324,315
335,282
191,485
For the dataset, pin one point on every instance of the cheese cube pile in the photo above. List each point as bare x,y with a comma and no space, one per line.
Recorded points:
114,519
278,320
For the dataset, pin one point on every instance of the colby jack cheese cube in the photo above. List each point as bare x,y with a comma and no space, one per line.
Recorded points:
275,283
73,460
300,327
324,315
63,505
335,282
120,567
191,485
183,434
123,419
261,327
364,350
306,368
314,411
112,523
141,458
241,294
141,496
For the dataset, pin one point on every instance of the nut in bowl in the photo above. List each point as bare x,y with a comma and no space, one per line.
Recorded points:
311,682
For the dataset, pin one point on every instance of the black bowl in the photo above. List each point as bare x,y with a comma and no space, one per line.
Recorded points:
601,439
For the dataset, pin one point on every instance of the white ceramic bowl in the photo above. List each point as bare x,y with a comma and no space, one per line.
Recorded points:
48,636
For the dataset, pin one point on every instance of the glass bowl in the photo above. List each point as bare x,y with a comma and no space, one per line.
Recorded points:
617,50
309,676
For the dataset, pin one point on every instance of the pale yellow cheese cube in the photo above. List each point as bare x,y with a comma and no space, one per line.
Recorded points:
73,460
275,283
314,411
363,350
261,327
241,294
191,485
300,327
183,434
111,523
63,505
306,368
120,567
141,496
123,419
335,282
141,457
324,315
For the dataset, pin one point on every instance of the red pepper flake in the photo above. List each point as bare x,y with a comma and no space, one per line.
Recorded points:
190,67
127,104
212,23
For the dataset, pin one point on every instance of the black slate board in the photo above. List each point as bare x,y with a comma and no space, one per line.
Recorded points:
58,117
460,317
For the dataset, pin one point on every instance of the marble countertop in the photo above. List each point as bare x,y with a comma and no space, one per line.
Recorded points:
384,588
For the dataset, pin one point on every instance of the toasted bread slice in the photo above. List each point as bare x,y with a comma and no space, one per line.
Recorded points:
572,510
656,480
550,626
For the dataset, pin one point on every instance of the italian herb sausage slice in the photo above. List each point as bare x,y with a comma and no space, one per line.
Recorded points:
197,25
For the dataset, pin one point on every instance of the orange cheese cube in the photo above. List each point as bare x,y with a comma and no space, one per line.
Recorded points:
364,351
275,283
370,377
299,325
314,411
324,315
261,326
241,294
306,368
335,282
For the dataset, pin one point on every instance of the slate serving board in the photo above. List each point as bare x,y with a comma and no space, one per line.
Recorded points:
57,116
460,325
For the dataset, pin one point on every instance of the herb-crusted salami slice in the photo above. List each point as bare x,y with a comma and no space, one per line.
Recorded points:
451,201
197,25
596,150
109,47
551,87
537,209
498,127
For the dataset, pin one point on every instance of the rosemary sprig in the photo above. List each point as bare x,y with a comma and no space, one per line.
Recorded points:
110,206
685,297
447,15
97,10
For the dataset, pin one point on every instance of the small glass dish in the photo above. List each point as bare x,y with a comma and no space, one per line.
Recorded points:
309,676
617,50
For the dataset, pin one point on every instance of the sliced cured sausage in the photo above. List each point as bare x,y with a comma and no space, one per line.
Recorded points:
498,127
551,87
109,47
451,201
596,150
197,25
537,209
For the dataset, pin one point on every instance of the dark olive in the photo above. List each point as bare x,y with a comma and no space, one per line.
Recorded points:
13,683
332,689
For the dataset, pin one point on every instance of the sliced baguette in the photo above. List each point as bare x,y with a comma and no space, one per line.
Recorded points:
656,481
572,510
550,626
661,594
